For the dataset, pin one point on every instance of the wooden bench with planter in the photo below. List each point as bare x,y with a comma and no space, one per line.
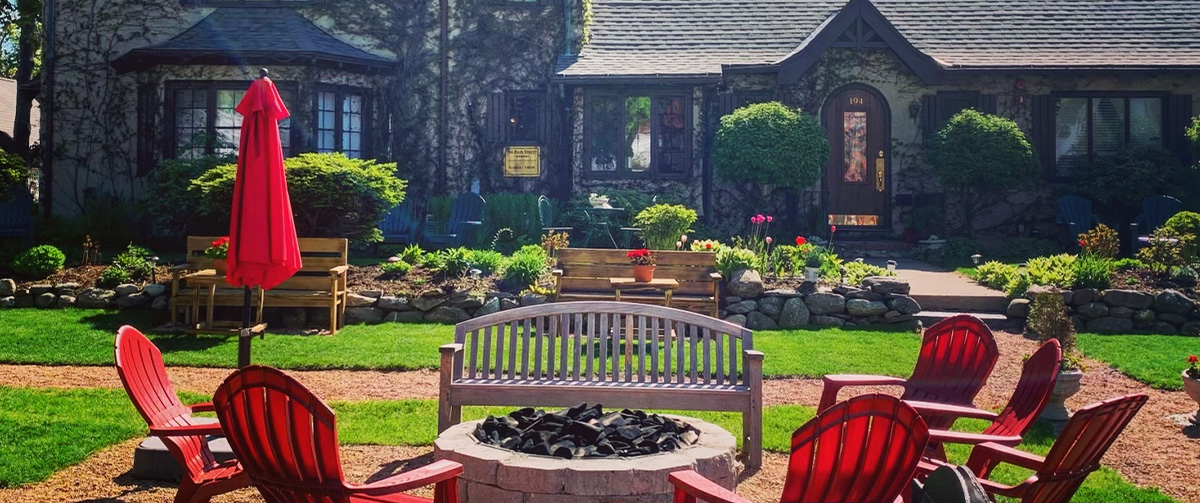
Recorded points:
561,354
585,274
321,283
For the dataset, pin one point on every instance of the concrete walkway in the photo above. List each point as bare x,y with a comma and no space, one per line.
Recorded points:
939,290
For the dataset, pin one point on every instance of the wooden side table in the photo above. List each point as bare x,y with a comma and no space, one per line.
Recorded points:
208,280
665,285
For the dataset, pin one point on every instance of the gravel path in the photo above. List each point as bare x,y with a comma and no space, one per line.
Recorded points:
1153,451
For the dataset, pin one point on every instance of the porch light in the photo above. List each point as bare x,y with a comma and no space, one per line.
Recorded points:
1023,267
859,260
976,258
914,110
891,266
153,266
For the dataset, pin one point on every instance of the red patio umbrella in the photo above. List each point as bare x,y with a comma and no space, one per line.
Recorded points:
263,250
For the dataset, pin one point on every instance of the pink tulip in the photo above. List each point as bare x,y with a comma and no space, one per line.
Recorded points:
683,237
768,239
770,218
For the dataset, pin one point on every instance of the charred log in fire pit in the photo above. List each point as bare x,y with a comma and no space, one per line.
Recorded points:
586,432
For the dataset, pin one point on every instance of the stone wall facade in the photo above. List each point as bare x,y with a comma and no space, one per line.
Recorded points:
876,301
1125,311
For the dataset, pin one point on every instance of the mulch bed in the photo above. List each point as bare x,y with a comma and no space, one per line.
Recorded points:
416,283
1145,280
86,276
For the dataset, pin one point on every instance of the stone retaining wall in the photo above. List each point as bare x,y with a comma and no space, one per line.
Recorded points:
46,296
878,300
1117,311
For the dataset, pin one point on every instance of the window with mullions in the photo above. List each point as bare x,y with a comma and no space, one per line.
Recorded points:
202,118
1087,127
341,118
637,136
245,3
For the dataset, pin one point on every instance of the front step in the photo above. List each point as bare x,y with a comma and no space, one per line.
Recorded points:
872,248
963,302
994,321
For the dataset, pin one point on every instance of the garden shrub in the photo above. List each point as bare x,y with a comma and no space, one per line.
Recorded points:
1048,318
487,261
1101,240
1054,270
331,194
39,262
399,268
1165,250
13,172
171,204
136,261
958,250
526,266
1092,271
1185,222
1184,275
431,261
113,276
732,259
706,245
978,157
411,254
769,144
516,212
1021,249
455,261
1017,285
856,271
1117,183
663,224
1128,264
831,266
993,274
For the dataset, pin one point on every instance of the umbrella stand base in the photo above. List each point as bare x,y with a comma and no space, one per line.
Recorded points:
226,328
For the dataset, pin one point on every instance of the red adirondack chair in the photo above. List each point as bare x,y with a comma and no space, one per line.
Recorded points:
957,356
286,438
1075,454
1038,376
140,365
863,450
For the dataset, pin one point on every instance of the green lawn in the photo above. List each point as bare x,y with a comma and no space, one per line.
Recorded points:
85,337
1156,360
66,426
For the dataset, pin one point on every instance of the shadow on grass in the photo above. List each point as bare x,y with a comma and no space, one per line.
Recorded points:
112,320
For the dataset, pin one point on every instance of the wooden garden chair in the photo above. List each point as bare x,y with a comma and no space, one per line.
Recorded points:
401,225
287,440
140,365
1076,214
1033,390
1156,211
466,217
865,450
1075,454
957,356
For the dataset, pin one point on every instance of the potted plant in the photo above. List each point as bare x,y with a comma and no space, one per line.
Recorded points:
1191,384
218,251
643,264
1048,319
812,263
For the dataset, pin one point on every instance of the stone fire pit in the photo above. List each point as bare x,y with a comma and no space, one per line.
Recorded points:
496,475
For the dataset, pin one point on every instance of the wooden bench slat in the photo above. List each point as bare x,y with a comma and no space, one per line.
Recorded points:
611,256
719,346
693,338
473,367
487,351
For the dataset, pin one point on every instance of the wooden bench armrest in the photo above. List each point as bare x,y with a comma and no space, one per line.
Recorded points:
339,270
557,273
753,354
187,266
715,276
450,348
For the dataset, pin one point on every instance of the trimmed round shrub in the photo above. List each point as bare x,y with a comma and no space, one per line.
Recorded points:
1054,270
1185,222
731,259
770,144
399,268
13,172
332,195
113,276
526,266
1118,183
39,262
664,224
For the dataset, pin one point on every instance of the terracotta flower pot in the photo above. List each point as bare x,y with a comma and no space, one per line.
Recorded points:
643,273
1065,387
219,265
1192,387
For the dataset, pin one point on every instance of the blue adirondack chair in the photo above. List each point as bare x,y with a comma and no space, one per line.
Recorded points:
16,214
548,218
466,217
402,225
1076,214
1155,212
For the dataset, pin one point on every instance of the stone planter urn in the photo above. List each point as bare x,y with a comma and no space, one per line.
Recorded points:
1065,387
1192,387
812,273
643,273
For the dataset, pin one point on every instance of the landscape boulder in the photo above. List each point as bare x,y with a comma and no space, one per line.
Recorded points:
45,300
126,289
1018,308
153,290
1127,298
356,300
887,284
794,313
368,315
95,298
390,303
904,304
1092,310
742,307
737,319
825,303
771,306
447,314
8,287
1171,301
863,307
756,320
1110,324
745,283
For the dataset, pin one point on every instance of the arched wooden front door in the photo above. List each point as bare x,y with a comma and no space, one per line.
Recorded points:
858,124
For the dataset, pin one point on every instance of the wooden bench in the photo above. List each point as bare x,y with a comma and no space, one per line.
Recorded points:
321,283
583,274
551,355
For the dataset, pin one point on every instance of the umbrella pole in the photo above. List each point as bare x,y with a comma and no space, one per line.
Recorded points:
244,335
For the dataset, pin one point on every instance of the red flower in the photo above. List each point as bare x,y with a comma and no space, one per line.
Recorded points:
800,240
641,252
832,229
1193,359
768,239
1082,243
707,246
220,242
770,218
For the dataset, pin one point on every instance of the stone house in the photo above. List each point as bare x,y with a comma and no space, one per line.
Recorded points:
619,94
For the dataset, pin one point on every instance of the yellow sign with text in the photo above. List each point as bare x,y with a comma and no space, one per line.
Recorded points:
523,161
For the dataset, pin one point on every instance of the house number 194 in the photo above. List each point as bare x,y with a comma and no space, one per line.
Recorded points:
856,100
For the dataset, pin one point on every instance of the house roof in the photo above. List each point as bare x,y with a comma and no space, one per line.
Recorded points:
697,38
254,36
8,110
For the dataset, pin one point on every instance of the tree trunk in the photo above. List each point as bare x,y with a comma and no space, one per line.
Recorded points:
26,47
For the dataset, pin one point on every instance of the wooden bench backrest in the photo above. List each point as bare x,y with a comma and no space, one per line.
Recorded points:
551,342
318,255
588,269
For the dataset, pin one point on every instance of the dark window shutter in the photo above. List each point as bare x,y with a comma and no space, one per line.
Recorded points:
1042,114
929,115
727,102
987,104
1179,117
147,132
547,125
497,128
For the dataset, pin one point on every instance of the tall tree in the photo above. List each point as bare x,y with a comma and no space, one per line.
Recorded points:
22,18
